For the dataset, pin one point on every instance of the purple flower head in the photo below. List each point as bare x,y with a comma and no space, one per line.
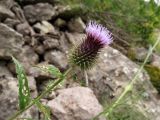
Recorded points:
98,32
86,53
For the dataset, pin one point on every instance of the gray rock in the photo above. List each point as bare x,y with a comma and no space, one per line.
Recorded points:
67,12
76,25
156,60
32,86
77,103
4,71
23,28
39,12
25,2
50,43
75,38
60,23
11,42
8,3
9,100
56,58
39,49
113,73
27,58
5,12
11,22
44,27
64,43
140,54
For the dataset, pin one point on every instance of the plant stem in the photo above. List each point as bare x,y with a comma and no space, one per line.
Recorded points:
129,87
86,78
58,80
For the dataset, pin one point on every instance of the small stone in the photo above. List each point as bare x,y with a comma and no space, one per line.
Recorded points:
7,3
5,13
32,86
156,60
11,22
60,23
32,83
139,54
50,43
74,37
39,49
77,103
38,12
44,27
28,56
11,42
56,58
4,71
23,28
76,25
64,44
67,12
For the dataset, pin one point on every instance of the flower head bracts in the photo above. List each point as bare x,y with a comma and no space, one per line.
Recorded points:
85,54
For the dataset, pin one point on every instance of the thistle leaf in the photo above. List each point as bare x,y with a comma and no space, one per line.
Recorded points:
44,109
52,70
24,92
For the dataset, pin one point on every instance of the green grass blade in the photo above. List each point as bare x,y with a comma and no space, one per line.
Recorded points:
24,92
44,109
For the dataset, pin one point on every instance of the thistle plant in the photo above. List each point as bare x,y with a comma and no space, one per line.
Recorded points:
85,54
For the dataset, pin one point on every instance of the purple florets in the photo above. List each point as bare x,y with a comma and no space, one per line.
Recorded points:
86,53
99,32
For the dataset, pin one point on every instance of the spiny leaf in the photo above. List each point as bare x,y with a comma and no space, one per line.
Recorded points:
51,69
44,109
24,92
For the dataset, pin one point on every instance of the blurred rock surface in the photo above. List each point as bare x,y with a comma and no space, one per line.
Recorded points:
39,12
77,103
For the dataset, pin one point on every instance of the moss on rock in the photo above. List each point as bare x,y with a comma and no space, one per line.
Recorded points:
154,73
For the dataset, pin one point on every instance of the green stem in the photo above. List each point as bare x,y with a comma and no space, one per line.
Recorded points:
59,80
129,87
86,78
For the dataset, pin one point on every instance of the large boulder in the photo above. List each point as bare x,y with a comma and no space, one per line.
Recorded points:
11,42
112,74
77,103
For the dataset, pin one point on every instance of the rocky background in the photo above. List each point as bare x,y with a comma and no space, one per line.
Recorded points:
42,32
